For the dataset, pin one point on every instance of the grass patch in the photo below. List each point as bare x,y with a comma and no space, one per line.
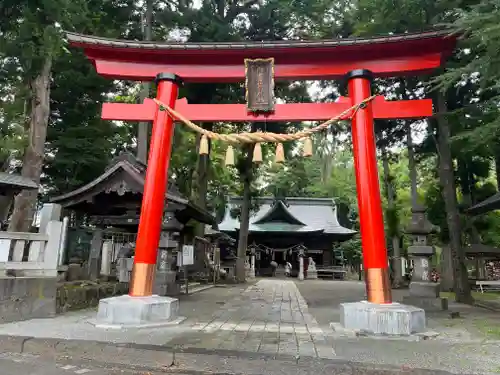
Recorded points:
486,296
490,330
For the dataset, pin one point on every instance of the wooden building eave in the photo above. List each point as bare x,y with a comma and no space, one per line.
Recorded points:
490,204
120,172
11,183
123,177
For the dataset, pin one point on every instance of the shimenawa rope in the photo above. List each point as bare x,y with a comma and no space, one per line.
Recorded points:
257,137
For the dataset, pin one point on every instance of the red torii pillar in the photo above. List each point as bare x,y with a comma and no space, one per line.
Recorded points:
155,185
371,218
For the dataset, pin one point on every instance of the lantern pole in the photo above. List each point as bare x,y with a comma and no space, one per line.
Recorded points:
153,199
371,218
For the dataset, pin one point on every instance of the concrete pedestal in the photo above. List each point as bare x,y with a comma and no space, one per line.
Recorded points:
425,295
312,274
165,284
390,319
137,312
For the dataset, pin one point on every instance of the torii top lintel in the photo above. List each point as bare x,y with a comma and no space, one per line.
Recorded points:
388,56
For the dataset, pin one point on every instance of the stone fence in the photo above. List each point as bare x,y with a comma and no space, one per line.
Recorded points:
28,268
31,254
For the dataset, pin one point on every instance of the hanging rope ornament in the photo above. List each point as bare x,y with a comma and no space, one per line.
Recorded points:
280,154
307,151
257,153
258,137
204,145
230,156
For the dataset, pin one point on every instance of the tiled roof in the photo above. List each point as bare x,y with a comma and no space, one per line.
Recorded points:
120,43
316,213
16,180
490,204
283,227
115,167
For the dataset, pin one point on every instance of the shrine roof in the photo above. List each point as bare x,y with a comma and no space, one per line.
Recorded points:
293,215
127,175
482,251
388,55
101,42
283,228
15,181
490,204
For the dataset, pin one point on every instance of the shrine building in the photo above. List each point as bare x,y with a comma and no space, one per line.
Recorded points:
280,228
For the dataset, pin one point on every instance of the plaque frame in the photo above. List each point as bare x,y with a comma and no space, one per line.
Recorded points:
268,105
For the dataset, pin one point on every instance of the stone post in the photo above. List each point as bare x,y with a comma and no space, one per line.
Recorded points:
165,283
93,264
301,264
107,249
49,212
423,292
252,264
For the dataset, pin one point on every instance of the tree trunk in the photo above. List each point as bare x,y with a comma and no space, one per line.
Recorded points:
143,128
497,170
202,173
25,202
467,186
446,269
397,279
244,216
199,192
412,167
446,175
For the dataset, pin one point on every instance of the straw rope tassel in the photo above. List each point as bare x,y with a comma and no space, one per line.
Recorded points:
308,147
280,153
257,153
204,145
229,156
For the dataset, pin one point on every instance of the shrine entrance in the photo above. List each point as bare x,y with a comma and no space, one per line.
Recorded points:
357,61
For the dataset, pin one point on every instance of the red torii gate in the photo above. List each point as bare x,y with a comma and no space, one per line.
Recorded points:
357,60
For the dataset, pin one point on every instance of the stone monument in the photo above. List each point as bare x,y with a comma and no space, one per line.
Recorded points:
423,292
312,273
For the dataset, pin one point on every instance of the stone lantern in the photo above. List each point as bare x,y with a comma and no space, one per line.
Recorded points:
423,292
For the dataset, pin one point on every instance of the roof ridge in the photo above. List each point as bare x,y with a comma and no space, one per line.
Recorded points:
99,40
279,204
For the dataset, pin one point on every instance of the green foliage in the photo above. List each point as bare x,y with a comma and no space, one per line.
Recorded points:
480,57
352,250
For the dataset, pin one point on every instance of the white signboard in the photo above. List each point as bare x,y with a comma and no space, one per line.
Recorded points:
187,255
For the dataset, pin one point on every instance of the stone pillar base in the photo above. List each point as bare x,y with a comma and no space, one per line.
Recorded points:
382,319
312,275
425,295
137,312
165,284
424,289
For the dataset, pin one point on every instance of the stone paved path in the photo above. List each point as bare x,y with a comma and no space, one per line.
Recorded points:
269,317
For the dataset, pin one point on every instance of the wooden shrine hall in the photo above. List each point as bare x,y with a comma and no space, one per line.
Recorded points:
282,227
114,199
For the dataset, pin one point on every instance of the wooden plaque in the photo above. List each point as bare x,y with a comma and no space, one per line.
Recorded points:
260,85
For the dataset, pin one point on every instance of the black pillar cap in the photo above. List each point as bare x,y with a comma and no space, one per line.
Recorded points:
359,73
356,73
169,77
